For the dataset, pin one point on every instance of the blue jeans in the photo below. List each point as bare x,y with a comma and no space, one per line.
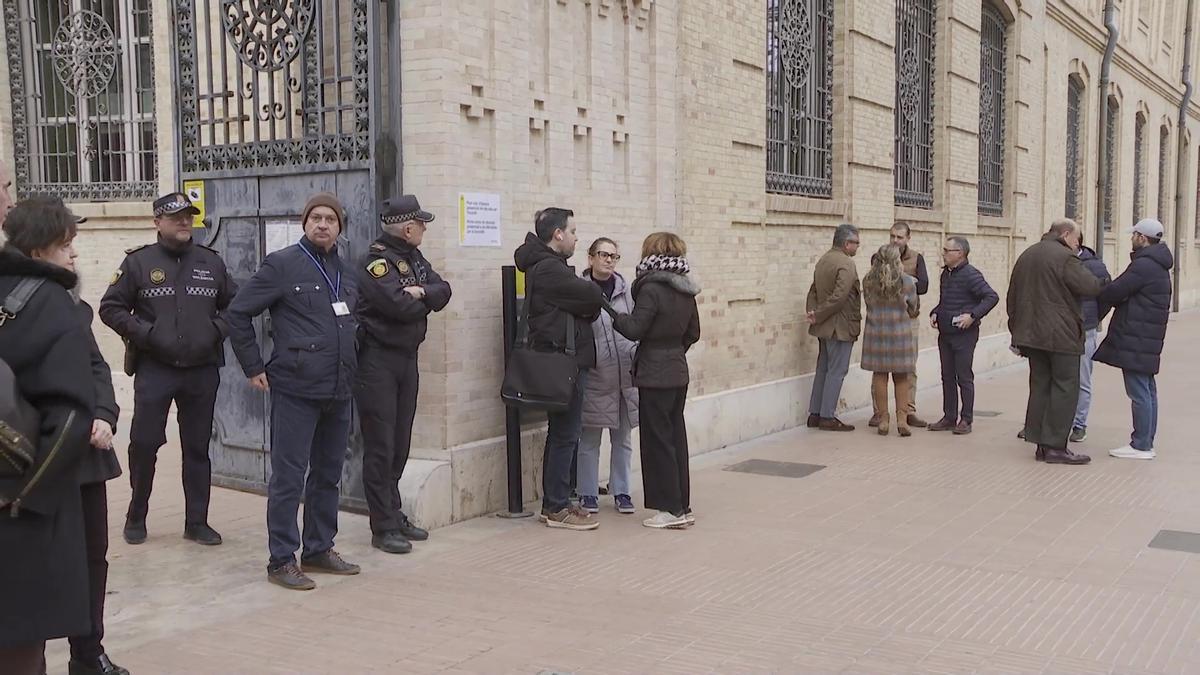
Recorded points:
306,435
619,463
562,440
1143,393
1085,380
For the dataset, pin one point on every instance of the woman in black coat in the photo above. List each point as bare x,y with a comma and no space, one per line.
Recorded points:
666,322
43,564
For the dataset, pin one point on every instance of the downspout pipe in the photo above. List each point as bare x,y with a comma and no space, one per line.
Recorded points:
1110,24
1182,160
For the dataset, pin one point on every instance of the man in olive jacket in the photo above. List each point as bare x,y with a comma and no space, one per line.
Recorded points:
834,313
1046,322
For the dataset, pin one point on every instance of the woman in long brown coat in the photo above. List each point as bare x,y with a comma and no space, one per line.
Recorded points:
888,341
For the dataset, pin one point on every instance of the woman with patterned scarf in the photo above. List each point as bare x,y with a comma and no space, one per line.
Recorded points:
666,324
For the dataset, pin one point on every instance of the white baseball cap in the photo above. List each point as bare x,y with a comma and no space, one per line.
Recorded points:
1148,227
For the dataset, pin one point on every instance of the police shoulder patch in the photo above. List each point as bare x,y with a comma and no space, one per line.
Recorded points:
377,268
116,277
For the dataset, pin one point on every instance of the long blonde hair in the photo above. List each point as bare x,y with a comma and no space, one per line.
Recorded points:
885,281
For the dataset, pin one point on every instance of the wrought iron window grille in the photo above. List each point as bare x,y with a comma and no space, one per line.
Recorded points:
1112,122
992,66
915,42
1072,160
1164,150
1139,168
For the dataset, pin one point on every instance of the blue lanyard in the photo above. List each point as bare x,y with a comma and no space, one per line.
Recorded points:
337,288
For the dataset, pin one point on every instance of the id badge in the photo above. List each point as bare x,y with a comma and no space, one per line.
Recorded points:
341,309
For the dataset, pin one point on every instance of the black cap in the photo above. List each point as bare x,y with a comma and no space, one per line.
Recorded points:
403,209
175,202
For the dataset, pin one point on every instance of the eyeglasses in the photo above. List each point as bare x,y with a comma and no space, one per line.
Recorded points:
605,255
952,250
851,241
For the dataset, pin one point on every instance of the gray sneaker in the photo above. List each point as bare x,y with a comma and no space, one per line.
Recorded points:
572,518
1078,434
329,562
290,577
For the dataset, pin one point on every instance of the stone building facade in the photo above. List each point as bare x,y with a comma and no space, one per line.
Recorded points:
751,128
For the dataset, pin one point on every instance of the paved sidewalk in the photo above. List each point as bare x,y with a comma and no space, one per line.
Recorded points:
929,554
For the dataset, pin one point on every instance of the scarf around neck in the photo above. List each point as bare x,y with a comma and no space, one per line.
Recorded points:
663,263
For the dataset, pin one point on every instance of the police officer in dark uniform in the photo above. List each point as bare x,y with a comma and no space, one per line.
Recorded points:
166,302
398,288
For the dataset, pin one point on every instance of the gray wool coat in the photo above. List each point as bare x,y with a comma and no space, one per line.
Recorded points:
610,384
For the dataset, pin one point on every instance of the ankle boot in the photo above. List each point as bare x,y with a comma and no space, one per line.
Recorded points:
879,383
903,403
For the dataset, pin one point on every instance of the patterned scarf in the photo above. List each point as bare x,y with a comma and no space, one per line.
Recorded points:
663,263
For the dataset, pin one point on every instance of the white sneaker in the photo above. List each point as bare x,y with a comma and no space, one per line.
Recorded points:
665,519
1128,452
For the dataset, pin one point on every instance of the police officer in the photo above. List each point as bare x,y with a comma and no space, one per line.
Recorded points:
398,289
166,301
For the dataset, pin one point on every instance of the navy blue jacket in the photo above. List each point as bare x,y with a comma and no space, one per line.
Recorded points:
1091,309
963,291
1142,298
314,355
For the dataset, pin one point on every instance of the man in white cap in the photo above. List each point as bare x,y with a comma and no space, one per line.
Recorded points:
1141,297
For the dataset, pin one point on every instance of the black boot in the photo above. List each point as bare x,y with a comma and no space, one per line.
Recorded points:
202,534
391,542
135,531
411,532
101,666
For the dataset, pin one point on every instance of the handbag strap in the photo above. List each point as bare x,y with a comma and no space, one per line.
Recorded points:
523,319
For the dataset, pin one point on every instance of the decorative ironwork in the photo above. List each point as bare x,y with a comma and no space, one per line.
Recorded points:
915,35
287,84
1139,167
1164,150
82,89
1072,161
992,66
800,97
1112,121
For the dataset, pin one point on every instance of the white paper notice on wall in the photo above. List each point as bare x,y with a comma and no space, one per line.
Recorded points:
478,219
279,233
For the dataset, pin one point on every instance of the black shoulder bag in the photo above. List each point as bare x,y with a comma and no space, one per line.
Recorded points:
18,420
537,380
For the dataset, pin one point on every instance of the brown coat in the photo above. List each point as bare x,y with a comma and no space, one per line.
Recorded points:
835,298
1043,298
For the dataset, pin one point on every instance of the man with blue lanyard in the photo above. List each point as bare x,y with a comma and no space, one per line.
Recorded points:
310,377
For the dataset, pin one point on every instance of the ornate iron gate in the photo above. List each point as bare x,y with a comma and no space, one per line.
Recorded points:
279,99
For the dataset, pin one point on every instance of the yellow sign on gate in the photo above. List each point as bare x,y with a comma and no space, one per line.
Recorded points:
194,189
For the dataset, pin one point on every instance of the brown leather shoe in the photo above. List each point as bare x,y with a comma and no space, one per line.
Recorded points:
834,424
962,429
1056,456
914,421
942,425
874,421
813,422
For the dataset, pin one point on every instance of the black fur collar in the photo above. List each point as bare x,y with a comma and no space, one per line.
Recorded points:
16,264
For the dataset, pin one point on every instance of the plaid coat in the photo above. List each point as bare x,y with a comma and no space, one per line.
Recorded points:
889,341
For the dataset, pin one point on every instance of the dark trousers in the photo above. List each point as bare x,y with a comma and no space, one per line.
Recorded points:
558,456
958,375
88,648
194,391
27,659
306,435
386,393
1053,393
666,480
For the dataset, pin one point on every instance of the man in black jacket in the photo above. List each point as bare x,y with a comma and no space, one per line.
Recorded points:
560,301
1142,298
166,301
1091,325
311,296
964,299
398,289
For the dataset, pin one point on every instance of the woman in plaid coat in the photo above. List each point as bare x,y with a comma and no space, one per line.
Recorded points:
888,344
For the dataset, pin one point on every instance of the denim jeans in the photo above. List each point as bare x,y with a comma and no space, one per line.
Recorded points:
1143,393
833,362
562,440
619,463
957,354
1085,380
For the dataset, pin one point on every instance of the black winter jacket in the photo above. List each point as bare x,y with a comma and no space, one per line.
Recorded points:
555,293
387,316
963,290
43,564
99,465
314,355
667,323
1142,298
1091,310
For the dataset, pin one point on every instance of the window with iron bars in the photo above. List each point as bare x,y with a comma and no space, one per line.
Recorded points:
1139,167
915,34
82,80
1112,120
1164,151
1072,161
991,112
800,97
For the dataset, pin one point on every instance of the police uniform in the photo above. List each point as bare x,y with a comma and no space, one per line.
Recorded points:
392,326
166,301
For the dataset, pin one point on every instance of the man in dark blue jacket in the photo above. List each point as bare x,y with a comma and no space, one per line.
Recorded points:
1141,296
964,299
311,296
1091,324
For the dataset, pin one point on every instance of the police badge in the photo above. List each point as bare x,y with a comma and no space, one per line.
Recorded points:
402,265
157,276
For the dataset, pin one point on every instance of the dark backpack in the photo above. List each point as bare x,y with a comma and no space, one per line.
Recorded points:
19,421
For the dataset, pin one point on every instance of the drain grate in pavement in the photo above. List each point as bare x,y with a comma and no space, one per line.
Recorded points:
1175,540
768,467
986,413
